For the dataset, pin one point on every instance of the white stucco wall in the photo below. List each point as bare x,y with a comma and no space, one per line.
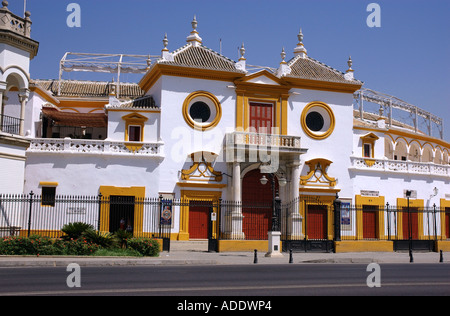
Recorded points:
338,146
84,174
179,138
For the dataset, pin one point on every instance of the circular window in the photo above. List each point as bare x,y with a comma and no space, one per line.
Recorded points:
315,121
202,110
318,120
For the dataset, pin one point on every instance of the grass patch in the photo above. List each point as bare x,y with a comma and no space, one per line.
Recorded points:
117,253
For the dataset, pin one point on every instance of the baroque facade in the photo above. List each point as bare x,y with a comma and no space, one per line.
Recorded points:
200,126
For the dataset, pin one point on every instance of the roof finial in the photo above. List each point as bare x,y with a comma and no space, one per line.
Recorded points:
283,56
284,68
349,74
165,42
300,49
165,54
194,38
300,36
194,23
5,4
242,51
241,64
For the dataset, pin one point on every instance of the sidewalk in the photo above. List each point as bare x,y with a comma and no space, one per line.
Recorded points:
227,258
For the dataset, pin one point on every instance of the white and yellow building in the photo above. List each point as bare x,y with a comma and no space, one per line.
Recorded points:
199,125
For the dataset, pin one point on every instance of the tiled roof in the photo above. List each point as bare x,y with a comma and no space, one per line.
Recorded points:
203,58
73,88
309,68
146,102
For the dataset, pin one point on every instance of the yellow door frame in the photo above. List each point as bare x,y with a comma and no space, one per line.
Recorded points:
137,192
360,201
402,204
186,197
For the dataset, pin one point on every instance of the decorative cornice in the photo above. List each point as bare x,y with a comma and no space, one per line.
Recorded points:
27,44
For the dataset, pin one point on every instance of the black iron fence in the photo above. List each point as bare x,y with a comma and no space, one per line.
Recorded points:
305,222
407,227
30,214
10,125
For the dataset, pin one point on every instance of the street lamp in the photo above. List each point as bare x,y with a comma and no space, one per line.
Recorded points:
275,198
275,233
408,196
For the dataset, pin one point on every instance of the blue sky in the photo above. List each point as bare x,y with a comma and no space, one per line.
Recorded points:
408,56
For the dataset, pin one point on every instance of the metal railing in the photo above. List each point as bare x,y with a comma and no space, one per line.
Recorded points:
10,125
306,220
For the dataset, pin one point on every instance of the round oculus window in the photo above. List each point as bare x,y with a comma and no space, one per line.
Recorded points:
318,120
200,112
315,121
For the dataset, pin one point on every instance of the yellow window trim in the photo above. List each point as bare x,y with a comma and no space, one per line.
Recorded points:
369,139
48,184
312,134
134,119
187,102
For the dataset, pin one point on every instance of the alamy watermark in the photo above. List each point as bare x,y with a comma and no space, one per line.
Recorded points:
74,18
374,18
74,278
374,278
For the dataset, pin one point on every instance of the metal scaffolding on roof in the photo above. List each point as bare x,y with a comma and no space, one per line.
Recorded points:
105,63
389,102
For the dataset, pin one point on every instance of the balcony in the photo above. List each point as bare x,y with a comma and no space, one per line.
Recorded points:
399,166
11,22
269,142
10,125
95,147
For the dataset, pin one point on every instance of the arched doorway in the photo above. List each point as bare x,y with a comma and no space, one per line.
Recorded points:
256,205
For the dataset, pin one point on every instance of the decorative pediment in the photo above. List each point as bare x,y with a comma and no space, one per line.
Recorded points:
263,77
317,175
201,168
370,138
135,118
263,80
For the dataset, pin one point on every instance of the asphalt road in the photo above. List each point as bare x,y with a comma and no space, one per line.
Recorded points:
193,282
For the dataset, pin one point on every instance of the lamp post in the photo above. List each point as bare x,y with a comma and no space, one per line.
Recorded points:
408,196
275,233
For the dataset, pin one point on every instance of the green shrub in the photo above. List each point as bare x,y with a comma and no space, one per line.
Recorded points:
75,230
146,246
35,245
79,247
103,239
122,237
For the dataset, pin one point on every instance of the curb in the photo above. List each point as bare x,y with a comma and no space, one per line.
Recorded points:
32,261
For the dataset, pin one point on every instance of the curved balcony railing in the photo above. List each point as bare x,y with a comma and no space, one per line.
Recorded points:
400,166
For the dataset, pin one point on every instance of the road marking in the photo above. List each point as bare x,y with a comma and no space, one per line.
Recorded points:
217,288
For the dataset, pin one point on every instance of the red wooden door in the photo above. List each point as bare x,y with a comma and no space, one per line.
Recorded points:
413,215
316,222
198,221
256,206
369,222
261,117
